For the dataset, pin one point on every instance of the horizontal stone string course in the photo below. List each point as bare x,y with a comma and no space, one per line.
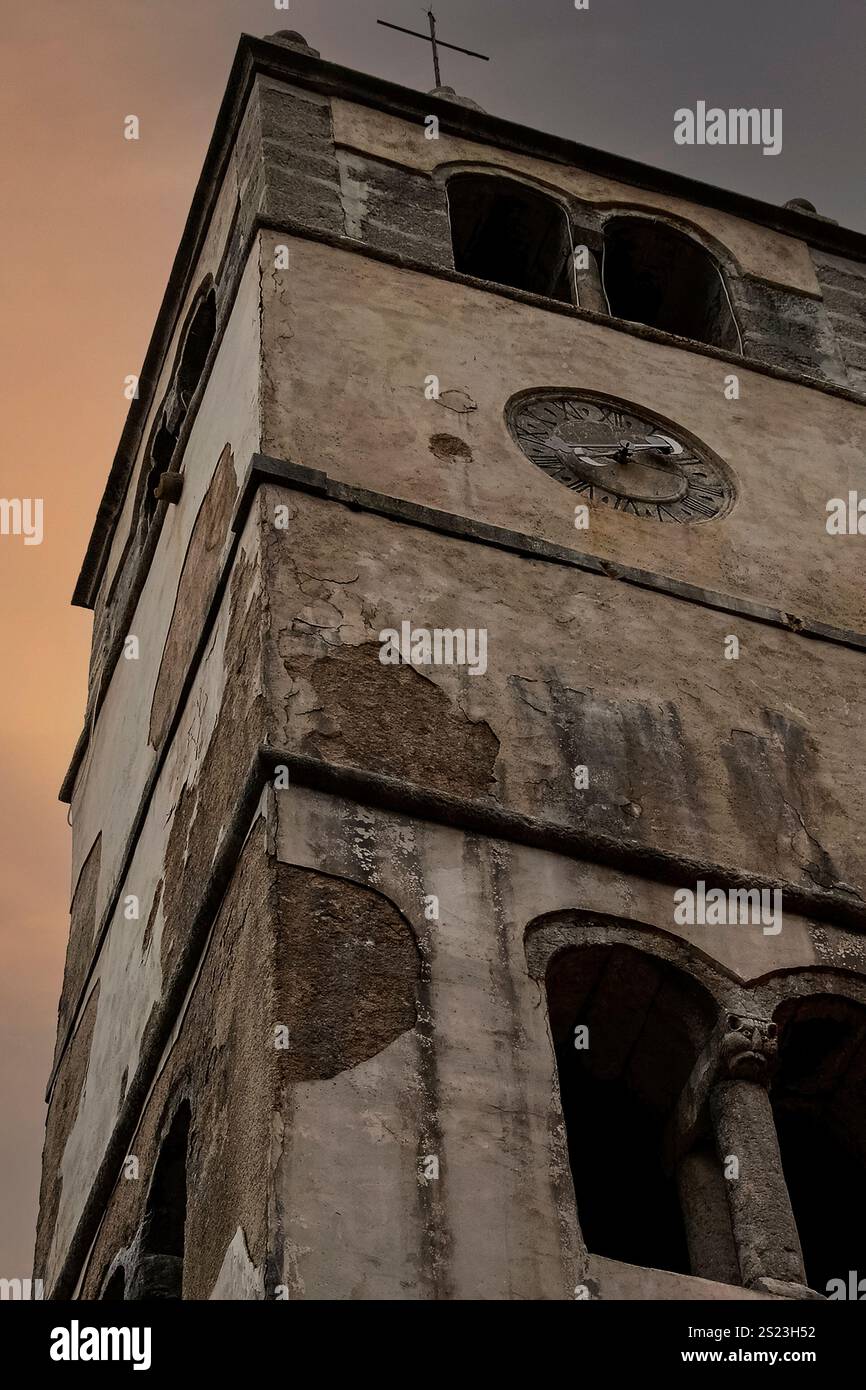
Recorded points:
391,794
263,469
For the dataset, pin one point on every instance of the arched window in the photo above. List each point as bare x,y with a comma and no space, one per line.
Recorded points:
656,275
819,1105
645,1022
196,346
191,360
159,1271
507,232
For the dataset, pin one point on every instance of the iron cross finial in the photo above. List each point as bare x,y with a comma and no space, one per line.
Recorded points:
435,42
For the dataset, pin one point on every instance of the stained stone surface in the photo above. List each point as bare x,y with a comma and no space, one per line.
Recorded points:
344,973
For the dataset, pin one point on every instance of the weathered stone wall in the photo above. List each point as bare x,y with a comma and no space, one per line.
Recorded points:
120,757
411,1037
83,925
399,211
139,965
785,329
751,764
62,1117
388,137
354,405
843,285
198,581
301,179
474,1082
222,1059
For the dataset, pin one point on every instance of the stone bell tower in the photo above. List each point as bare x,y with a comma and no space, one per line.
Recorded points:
468,881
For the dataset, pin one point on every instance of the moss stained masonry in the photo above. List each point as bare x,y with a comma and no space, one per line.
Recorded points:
355,407
180,857
287,127
682,760
237,171
507,1212
225,250
260,648
320,622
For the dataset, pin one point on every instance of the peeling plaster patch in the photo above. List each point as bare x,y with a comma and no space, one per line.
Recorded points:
777,775
147,938
838,948
393,719
362,845
457,400
238,1279
59,1155
449,447
354,194
195,831
82,930
194,593
347,976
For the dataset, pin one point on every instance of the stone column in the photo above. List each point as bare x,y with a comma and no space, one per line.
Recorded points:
590,294
704,1205
765,1233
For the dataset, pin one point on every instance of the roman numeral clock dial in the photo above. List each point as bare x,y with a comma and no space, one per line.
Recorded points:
614,456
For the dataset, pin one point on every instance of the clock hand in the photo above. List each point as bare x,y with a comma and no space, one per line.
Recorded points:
597,449
606,456
665,445
656,444
623,451
610,451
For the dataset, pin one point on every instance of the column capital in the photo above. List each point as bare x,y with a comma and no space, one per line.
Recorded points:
748,1050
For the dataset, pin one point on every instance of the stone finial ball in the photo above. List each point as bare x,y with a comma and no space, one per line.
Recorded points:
292,39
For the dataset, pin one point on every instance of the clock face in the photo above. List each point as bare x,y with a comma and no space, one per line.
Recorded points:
614,456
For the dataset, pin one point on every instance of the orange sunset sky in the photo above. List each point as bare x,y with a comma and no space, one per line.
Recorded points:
90,225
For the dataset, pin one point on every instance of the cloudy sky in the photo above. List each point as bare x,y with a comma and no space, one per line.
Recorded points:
90,225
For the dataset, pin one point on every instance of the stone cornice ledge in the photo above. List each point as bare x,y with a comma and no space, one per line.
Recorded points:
264,469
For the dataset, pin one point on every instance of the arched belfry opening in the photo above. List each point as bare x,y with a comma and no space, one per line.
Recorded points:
819,1106
627,1028
159,1272
656,275
507,232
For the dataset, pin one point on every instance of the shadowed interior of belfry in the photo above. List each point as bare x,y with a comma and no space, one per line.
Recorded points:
645,1021
819,1105
509,233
